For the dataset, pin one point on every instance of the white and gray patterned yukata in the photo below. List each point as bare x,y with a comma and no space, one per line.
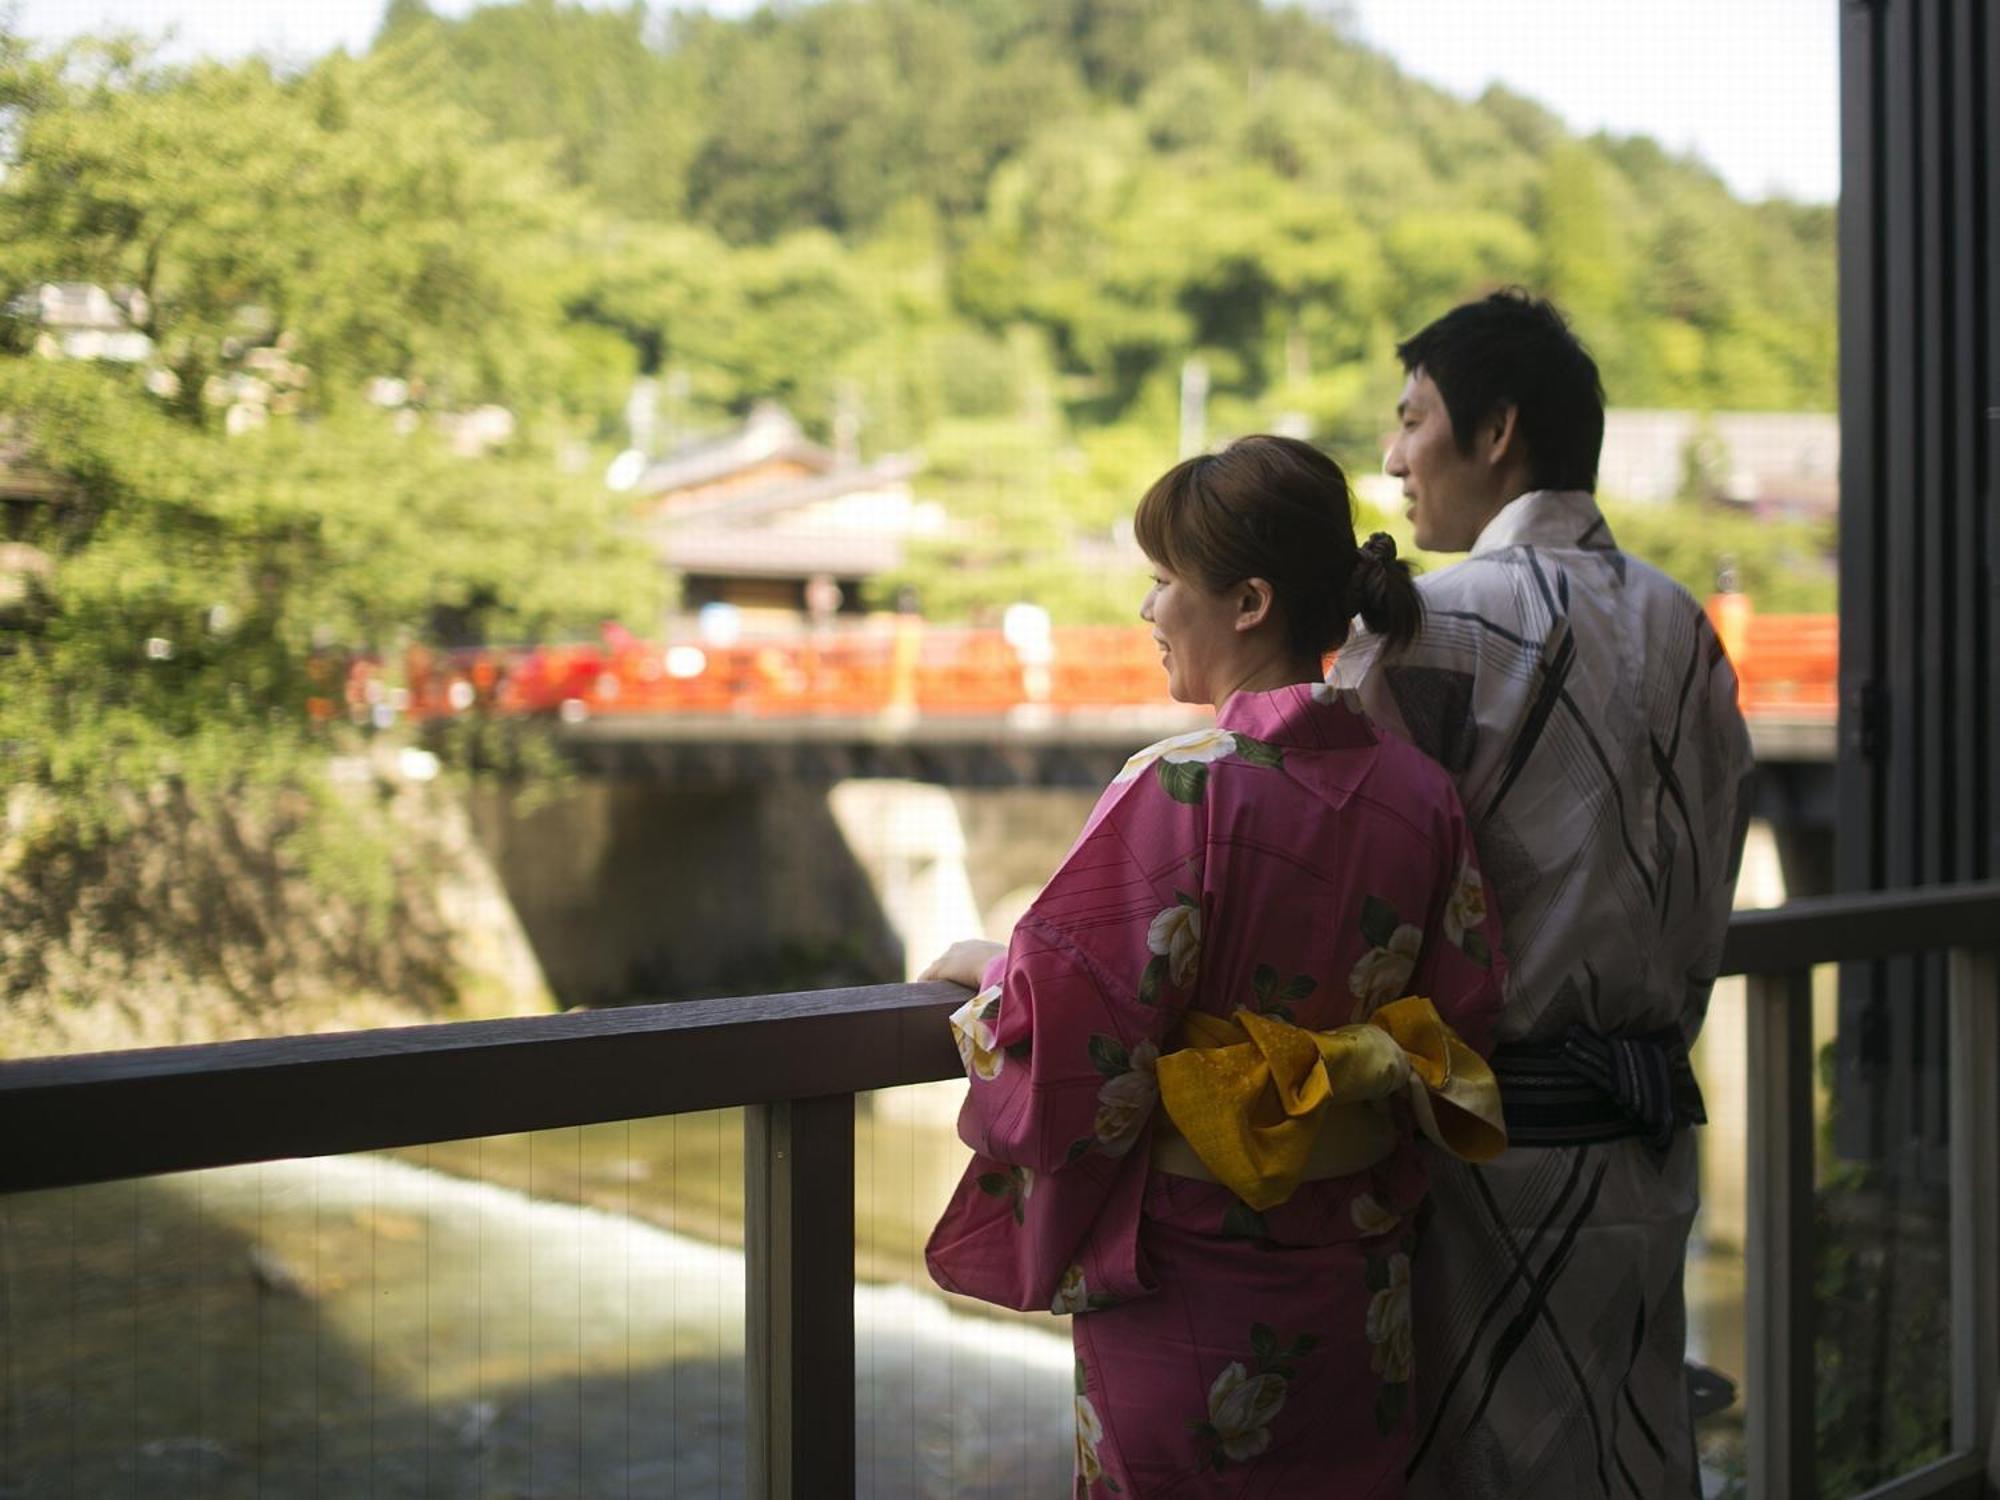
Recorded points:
1589,715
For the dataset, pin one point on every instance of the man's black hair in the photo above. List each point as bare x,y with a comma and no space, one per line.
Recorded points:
1513,349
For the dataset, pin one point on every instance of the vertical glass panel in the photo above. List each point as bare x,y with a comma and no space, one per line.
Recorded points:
1715,1263
953,1398
1884,1223
550,1314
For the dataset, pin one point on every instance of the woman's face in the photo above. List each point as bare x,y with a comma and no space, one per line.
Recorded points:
1196,631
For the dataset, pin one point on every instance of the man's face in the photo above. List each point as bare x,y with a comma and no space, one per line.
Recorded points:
1452,495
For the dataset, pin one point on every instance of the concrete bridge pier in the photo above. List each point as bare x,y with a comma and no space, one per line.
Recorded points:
907,838
632,890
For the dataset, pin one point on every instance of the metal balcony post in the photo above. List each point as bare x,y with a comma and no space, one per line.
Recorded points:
1778,1294
798,1246
1975,1196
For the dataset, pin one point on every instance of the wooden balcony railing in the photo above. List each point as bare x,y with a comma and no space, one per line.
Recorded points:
797,1061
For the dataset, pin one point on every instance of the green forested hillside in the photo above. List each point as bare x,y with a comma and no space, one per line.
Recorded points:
993,229
1138,179
998,229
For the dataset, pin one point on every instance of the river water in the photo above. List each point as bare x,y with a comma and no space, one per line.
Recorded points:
364,1326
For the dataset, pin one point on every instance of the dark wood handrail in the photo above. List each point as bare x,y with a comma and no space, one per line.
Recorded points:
99,1116
1874,924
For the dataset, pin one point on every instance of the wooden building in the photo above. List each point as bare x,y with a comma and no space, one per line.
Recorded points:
766,520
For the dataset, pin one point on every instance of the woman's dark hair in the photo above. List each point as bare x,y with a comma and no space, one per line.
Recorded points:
1512,349
1278,509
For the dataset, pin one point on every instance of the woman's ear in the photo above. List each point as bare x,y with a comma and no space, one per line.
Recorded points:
1254,599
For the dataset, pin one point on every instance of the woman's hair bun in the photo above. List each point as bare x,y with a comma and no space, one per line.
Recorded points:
1381,591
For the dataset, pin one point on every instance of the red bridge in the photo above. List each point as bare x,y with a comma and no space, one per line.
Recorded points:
1787,664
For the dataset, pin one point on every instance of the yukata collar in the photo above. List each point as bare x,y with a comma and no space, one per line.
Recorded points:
1309,715
1547,518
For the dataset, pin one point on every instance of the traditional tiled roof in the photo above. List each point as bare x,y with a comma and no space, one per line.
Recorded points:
769,433
747,506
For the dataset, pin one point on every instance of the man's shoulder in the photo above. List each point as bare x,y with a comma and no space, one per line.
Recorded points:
1469,580
1486,593
1660,590
1505,574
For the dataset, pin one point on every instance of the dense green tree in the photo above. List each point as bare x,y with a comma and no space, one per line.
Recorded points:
292,237
194,577
1442,258
335,211
612,113
1582,251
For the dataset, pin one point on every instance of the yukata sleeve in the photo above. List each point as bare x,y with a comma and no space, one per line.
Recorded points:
1715,758
1729,823
1060,1047
1462,966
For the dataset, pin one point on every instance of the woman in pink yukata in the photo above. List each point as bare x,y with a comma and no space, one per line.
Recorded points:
1200,1066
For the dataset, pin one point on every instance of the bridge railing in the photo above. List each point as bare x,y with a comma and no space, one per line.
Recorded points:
1787,664
796,1061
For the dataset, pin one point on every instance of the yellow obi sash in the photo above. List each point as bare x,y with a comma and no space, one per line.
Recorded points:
1252,1096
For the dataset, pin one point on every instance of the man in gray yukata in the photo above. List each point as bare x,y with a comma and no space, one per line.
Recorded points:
1582,703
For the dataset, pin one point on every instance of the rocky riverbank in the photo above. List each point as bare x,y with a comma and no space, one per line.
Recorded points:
366,904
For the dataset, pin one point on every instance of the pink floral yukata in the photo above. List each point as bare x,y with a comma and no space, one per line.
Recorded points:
1294,861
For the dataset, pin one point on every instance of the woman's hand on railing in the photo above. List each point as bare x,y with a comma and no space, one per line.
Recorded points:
964,962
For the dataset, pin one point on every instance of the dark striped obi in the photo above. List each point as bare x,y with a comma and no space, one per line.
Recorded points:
1584,1087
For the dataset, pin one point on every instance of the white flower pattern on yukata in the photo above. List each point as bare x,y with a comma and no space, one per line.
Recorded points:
1384,973
1199,747
1175,935
1089,1433
1389,1324
1370,1217
1466,910
1245,1399
1072,1296
1125,1102
978,1044
1015,1185
1240,1409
